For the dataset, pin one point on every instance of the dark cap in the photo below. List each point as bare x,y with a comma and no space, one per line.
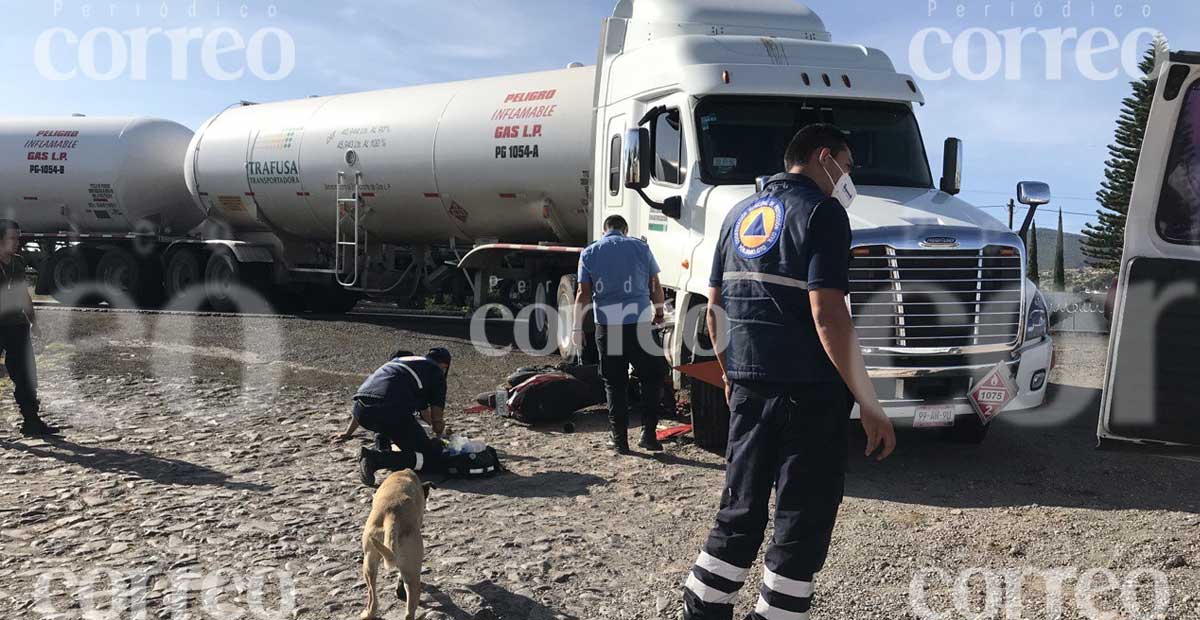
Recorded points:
440,355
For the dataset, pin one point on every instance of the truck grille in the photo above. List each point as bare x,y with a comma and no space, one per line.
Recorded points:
936,298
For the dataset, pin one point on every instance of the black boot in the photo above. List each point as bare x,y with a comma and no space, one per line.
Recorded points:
367,467
33,426
619,442
650,442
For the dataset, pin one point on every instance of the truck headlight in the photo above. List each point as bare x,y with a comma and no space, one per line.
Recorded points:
1037,321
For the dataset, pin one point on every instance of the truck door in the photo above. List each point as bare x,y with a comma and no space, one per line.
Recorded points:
669,177
1153,375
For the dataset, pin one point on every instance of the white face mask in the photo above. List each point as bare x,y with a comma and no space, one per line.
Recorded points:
844,189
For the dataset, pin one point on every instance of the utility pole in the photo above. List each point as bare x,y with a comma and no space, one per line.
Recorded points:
1012,205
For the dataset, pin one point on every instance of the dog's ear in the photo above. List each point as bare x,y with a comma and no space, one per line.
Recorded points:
427,487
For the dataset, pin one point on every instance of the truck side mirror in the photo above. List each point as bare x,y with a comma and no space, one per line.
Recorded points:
637,158
1032,194
673,207
952,165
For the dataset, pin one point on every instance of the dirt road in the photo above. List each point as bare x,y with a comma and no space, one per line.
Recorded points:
198,466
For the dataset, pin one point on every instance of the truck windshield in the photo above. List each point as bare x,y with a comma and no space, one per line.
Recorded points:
742,139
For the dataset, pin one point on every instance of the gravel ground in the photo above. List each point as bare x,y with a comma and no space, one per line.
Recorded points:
198,462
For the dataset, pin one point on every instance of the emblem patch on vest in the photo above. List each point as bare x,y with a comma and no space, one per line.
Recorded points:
758,228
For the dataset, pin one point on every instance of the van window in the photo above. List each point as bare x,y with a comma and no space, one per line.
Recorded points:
670,153
1179,206
614,166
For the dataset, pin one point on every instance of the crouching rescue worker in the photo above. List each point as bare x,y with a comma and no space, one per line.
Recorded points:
18,324
793,369
388,403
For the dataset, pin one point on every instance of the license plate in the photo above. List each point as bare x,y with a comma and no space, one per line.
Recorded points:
934,416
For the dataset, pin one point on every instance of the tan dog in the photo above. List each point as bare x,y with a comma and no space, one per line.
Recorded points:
393,534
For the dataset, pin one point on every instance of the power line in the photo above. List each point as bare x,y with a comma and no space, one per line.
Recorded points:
1054,211
1056,196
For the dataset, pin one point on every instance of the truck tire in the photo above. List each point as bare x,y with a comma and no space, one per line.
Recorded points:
184,271
221,274
120,272
541,331
968,429
710,416
567,289
68,269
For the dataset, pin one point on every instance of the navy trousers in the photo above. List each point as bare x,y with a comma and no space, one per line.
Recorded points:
792,438
17,346
395,424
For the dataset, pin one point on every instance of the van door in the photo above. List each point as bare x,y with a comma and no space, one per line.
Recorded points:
1152,385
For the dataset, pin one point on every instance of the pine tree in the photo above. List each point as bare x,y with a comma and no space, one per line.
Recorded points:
1060,267
1104,241
1031,244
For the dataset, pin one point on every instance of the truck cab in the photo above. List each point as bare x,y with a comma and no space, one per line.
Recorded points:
696,99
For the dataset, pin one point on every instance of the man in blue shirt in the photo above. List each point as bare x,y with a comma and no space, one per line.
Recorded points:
388,403
793,370
619,275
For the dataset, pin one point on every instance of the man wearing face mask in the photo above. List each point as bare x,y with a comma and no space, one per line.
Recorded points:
388,403
793,371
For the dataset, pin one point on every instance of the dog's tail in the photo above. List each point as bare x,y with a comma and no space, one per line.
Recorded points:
389,541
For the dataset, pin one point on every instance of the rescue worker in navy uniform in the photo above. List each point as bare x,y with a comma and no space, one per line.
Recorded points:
388,403
793,370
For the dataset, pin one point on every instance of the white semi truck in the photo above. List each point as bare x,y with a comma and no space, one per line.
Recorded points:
690,103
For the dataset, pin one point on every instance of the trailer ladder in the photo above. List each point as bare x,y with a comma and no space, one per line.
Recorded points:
351,238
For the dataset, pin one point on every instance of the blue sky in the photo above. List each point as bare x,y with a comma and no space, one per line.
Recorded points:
1027,129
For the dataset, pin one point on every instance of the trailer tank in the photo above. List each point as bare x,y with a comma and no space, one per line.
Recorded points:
503,158
95,176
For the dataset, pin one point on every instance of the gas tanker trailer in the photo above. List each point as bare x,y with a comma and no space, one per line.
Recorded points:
99,196
493,187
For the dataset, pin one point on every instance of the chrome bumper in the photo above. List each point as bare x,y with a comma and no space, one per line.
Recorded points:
895,372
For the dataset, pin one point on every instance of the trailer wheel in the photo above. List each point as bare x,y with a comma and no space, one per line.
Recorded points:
119,271
68,268
183,272
222,273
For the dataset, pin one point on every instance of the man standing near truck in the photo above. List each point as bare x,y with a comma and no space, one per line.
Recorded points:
793,370
18,325
388,403
619,276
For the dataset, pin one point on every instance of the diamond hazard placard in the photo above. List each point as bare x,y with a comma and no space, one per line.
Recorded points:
992,393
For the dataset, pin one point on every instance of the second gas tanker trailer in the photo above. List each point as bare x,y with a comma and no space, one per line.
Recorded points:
102,197
689,103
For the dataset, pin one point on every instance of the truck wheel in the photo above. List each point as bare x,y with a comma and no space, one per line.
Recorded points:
183,272
968,429
710,416
222,273
540,328
120,272
68,269
567,289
